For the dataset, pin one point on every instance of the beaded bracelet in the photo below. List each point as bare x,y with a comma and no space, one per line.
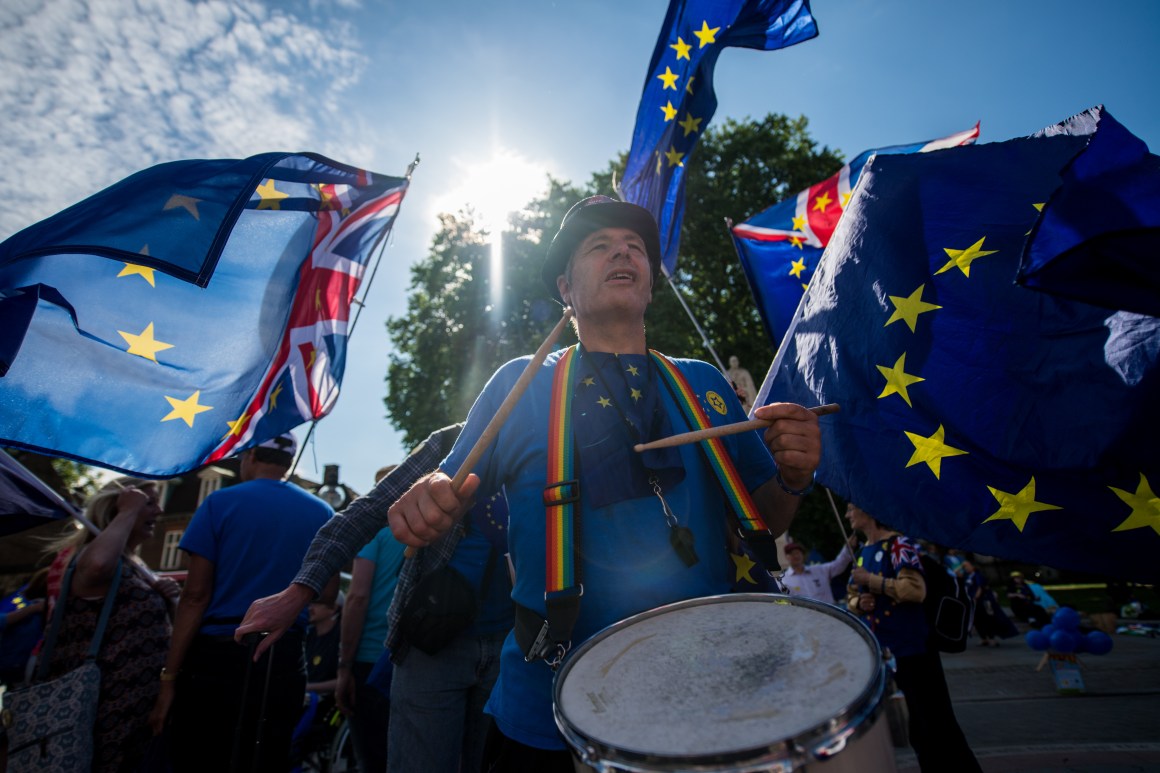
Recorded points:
794,492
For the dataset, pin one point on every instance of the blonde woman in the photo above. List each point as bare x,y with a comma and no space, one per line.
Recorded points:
137,635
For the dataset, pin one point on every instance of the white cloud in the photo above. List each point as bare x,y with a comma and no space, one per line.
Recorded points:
94,90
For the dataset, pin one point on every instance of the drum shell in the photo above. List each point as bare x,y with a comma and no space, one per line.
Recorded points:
851,738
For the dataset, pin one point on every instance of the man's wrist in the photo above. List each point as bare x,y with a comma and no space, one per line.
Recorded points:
790,486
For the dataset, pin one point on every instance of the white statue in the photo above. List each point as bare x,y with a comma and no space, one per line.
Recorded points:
743,381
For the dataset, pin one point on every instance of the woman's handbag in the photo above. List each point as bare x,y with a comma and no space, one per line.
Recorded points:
50,723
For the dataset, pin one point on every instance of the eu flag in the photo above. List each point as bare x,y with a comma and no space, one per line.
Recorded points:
780,247
116,356
678,100
976,413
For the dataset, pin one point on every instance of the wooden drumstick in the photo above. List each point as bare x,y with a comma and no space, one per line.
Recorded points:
493,427
727,429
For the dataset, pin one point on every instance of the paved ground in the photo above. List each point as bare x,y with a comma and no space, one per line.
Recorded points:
1016,720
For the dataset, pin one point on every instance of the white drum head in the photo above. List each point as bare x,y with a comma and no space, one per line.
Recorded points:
718,677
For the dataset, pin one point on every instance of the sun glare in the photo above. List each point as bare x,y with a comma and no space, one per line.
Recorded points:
495,188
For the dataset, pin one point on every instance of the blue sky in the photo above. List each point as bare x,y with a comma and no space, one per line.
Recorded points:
496,95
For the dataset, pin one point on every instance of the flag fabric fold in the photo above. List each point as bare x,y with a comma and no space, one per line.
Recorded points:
976,413
678,100
1099,238
25,500
780,247
115,361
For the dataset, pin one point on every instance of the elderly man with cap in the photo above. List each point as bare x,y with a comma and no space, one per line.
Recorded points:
631,531
813,582
244,542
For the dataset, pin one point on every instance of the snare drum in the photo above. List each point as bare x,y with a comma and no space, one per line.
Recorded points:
742,683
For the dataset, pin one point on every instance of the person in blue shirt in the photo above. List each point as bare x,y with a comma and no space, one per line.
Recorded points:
653,525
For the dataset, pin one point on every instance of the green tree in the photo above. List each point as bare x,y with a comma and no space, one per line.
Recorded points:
456,332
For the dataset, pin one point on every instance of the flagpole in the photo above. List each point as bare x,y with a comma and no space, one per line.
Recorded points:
379,248
685,306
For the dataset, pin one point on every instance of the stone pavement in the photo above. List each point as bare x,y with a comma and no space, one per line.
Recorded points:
1015,720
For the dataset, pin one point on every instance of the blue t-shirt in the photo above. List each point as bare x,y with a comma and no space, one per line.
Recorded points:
627,562
899,626
386,553
255,534
487,530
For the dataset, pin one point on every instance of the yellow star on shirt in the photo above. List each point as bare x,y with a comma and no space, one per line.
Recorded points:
237,425
931,450
797,267
186,409
682,49
690,124
897,380
964,258
635,394
907,309
633,370
271,196
674,157
799,222
1145,507
604,401
274,397
1017,508
144,344
588,381
188,203
706,35
823,201
669,78
146,273
669,111
743,564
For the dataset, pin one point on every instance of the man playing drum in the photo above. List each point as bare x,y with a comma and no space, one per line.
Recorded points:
621,532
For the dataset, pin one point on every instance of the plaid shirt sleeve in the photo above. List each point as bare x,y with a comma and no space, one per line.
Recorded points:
340,539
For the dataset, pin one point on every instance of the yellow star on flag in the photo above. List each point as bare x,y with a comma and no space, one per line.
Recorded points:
706,35
1145,507
237,425
796,241
669,111
274,397
604,401
743,564
271,196
1017,508
907,309
633,370
964,258
690,124
186,409
799,222
797,267
844,199
188,203
1039,207
689,85
931,450
682,49
669,78
588,381
897,380
674,157
823,201
144,344
636,395
132,269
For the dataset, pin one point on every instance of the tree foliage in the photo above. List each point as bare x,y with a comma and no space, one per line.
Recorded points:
456,331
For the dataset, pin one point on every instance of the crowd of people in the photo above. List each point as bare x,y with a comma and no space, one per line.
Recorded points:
216,676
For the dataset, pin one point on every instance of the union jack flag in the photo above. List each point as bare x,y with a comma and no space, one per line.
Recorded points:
780,247
188,312
904,554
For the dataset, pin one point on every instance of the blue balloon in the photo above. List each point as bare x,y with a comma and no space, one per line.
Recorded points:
1098,643
1048,630
1037,641
1064,641
1066,619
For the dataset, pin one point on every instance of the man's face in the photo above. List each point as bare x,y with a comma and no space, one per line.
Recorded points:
608,274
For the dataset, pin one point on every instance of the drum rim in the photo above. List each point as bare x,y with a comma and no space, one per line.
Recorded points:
818,743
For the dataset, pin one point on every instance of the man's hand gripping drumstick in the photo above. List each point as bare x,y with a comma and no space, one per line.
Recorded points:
726,429
436,503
